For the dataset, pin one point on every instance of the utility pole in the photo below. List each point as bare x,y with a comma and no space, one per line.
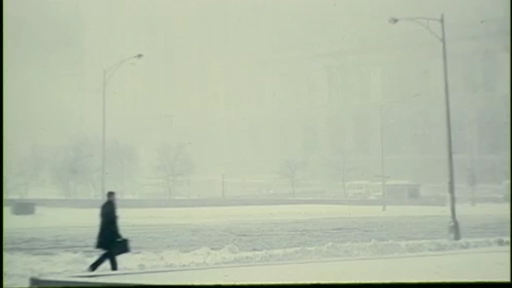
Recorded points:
382,171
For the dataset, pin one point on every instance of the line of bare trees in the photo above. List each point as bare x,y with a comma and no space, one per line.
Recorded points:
72,169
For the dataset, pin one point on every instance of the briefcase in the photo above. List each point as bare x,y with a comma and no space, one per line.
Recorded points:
122,246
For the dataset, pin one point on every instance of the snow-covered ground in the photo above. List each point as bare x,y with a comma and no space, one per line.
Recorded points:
61,240
466,266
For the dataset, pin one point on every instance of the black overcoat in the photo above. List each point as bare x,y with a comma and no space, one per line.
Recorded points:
109,232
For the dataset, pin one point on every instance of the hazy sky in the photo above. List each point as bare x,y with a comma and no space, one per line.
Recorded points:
202,61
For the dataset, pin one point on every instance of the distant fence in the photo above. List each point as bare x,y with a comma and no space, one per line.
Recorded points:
219,202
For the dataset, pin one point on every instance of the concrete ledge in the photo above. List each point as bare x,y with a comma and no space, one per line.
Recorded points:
68,282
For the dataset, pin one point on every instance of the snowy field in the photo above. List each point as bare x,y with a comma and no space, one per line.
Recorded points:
61,240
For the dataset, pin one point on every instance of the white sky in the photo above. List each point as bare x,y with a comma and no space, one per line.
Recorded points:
54,52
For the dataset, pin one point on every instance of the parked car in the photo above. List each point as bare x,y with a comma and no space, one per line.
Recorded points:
358,189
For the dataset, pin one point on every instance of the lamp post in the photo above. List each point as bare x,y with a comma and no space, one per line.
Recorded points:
383,176
424,22
107,75
382,111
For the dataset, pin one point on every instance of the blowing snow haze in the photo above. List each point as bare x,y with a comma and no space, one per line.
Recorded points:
242,88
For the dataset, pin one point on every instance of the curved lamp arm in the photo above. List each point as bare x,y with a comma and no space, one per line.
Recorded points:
422,21
109,72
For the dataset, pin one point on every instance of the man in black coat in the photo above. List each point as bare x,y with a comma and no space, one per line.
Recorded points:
109,233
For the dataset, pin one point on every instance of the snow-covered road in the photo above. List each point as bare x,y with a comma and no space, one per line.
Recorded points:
256,236
165,229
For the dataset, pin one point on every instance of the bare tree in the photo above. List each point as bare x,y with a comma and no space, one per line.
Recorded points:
174,166
74,170
472,182
28,172
289,170
339,160
343,171
340,168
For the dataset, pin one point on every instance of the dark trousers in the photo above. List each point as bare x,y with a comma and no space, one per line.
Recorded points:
107,255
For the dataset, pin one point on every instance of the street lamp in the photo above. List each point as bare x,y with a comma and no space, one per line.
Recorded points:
108,73
424,22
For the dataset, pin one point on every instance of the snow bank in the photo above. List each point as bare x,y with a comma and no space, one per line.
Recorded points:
21,266
230,254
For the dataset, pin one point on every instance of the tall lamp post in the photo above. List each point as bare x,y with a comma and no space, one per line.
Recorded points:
108,73
424,22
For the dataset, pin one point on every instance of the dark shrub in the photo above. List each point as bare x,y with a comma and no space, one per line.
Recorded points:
23,208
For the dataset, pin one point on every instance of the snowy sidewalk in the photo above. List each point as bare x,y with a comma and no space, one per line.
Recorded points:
469,265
